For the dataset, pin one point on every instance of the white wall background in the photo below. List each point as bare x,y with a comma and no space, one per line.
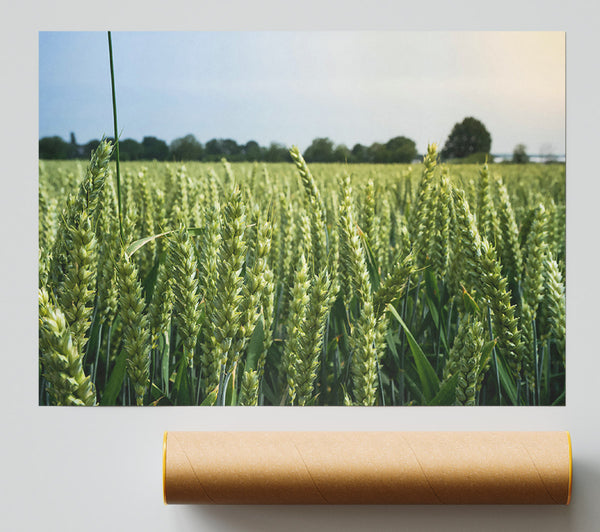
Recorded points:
100,469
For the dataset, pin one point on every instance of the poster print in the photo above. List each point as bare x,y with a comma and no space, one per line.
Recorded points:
333,218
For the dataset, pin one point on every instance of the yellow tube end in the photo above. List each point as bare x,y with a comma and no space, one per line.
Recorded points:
570,467
164,467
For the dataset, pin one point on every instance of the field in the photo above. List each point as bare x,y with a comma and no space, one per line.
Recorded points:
252,284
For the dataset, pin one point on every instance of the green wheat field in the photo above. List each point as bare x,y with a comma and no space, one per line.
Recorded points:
280,284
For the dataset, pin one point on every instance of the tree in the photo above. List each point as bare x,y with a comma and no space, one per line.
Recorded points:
187,149
231,149
360,154
216,149
130,150
53,148
466,138
212,150
377,153
400,150
253,151
341,153
277,153
155,149
90,148
520,155
320,151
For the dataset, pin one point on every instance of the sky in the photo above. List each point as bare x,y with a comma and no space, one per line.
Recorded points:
292,87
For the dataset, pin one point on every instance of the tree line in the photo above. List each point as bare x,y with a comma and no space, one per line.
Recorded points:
188,148
468,142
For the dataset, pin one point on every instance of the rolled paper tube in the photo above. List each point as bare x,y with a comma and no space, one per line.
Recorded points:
367,467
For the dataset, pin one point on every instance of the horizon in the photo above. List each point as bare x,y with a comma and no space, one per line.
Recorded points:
291,87
557,155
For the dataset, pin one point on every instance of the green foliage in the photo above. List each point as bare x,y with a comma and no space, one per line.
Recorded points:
496,291
187,149
520,154
62,362
423,215
153,148
466,138
136,334
400,150
533,288
302,284
299,300
249,389
320,151
53,148
510,253
186,299
76,293
224,314
467,361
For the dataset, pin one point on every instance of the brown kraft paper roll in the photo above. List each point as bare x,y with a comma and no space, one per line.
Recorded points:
367,467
